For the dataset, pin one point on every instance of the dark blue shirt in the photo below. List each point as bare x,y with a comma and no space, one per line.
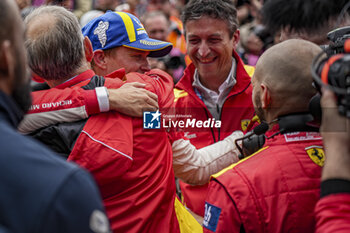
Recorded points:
40,192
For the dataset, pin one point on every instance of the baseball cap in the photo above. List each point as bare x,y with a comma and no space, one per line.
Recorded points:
114,29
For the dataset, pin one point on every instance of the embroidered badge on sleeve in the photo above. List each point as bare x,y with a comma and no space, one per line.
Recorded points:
211,216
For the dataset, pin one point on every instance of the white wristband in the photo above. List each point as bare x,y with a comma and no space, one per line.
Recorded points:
102,98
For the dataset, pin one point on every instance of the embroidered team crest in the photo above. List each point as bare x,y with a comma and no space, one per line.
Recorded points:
316,154
244,124
100,31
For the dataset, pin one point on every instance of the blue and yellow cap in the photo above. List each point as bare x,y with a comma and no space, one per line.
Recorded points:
114,29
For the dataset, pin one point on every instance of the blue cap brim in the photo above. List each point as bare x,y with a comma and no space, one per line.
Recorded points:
156,48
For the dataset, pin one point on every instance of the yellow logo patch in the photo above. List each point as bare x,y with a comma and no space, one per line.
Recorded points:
179,94
244,124
316,154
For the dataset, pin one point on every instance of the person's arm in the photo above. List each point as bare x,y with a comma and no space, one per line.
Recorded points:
132,99
76,207
332,211
335,130
195,166
68,105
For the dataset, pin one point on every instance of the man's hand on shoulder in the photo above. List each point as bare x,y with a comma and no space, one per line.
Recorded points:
132,99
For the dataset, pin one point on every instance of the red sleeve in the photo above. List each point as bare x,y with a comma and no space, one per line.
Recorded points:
69,98
221,214
72,97
333,214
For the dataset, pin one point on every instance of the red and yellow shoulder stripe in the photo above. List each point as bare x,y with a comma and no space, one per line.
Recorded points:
235,164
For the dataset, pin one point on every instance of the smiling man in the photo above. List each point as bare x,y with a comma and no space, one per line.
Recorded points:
216,85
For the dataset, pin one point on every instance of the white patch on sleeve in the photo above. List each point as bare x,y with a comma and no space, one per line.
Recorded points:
99,222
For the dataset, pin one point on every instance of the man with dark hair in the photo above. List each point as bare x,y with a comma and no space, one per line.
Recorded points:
39,191
276,188
216,85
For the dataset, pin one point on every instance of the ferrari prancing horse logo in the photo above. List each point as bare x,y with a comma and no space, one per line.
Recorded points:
316,154
244,124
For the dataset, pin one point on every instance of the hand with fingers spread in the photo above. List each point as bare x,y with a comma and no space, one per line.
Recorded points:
132,99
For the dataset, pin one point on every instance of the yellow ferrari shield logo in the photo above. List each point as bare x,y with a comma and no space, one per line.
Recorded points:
316,154
244,124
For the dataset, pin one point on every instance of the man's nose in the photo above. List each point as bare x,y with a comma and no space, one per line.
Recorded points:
204,49
145,66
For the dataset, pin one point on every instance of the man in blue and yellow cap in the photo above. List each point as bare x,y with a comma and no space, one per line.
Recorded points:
119,40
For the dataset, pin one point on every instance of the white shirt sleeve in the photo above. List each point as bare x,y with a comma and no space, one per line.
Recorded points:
195,166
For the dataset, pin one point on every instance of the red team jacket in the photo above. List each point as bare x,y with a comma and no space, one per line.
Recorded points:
236,113
132,166
273,190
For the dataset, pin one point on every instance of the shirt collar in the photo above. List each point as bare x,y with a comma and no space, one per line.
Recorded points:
228,83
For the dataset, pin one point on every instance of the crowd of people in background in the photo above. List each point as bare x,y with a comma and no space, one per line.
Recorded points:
162,21
96,67
260,23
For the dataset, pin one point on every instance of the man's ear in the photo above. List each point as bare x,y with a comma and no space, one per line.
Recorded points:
100,59
7,66
286,34
236,37
89,53
265,96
